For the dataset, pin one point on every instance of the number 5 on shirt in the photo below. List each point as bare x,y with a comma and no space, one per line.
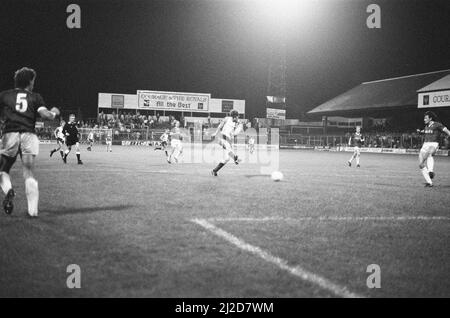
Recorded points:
21,102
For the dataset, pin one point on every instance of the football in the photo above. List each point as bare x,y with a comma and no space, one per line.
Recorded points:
276,176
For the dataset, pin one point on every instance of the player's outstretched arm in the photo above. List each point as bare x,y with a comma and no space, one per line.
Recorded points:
219,128
446,131
48,114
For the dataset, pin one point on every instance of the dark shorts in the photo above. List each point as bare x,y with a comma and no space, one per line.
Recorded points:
71,141
164,143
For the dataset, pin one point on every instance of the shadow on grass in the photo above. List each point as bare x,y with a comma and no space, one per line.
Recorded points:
85,210
442,186
257,175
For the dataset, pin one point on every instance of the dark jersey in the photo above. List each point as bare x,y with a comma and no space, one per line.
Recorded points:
20,110
70,130
357,139
433,132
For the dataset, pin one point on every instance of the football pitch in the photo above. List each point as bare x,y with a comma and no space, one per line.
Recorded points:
139,227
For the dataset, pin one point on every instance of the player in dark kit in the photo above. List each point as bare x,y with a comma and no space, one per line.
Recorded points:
432,131
20,107
70,130
357,140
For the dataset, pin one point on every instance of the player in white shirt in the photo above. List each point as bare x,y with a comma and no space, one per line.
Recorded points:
108,140
177,147
60,140
251,144
90,139
162,145
227,129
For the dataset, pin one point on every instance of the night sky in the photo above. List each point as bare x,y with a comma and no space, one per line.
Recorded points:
217,47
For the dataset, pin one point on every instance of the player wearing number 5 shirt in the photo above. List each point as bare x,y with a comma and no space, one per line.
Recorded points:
20,107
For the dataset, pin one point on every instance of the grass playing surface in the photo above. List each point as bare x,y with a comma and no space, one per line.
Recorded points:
128,219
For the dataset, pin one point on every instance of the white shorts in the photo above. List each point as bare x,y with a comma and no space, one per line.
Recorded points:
14,143
176,143
429,147
225,143
109,142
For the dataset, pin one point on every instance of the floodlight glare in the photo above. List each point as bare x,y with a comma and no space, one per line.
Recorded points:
284,12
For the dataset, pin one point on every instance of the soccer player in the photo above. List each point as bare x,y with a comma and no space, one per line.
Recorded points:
432,132
175,142
70,130
108,140
60,140
251,144
90,139
228,128
21,106
164,142
357,140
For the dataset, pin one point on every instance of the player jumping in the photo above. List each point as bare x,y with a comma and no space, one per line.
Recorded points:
177,147
70,130
357,140
432,131
60,140
20,108
228,128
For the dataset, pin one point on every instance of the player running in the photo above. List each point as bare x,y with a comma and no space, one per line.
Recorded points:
164,142
90,139
20,107
432,132
175,142
70,130
60,140
357,140
228,128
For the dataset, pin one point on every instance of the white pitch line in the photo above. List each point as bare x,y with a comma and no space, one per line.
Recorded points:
298,271
334,218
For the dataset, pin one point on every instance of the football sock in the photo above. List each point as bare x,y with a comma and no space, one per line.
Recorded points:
357,160
430,163
5,182
78,156
426,175
219,166
62,153
32,192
